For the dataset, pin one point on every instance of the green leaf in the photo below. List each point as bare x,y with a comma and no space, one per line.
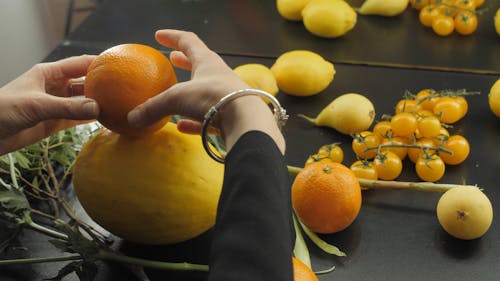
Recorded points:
21,160
300,250
14,207
323,245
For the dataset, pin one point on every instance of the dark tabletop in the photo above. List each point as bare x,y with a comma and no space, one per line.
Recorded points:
254,28
396,235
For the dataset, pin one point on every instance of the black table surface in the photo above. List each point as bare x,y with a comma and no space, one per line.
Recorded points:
255,28
396,235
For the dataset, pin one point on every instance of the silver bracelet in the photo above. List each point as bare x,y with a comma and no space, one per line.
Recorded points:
278,111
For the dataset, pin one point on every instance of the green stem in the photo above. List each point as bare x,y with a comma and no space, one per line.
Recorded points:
389,145
111,256
47,231
13,171
310,119
39,260
402,185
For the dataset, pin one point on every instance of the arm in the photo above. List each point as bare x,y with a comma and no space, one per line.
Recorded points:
254,233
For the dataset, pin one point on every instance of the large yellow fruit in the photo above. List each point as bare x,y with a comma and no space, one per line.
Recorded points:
302,73
329,18
158,189
291,9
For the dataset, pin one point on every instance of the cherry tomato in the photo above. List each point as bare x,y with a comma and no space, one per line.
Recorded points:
429,126
427,98
465,22
425,144
404,124
393,146
331,152
364,169
388,165
441,137
459,147
465,5
419,4
364,140
448,110
430,168
464,105
443,25
407,105
382,129
427,15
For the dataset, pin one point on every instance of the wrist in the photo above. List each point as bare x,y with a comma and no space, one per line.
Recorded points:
242,111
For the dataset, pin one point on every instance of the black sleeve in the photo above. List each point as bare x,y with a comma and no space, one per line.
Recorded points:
253,237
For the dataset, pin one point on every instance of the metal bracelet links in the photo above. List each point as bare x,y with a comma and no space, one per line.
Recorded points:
278,111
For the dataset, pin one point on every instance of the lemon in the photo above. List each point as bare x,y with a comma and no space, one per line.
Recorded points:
349,113
494,98
291,9
497,21
386,8
302,73
258,76
328,18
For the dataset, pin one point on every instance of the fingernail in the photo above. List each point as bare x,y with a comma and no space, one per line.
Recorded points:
91,108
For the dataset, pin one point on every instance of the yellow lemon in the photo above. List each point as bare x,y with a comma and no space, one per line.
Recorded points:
291,9
258,76
302,73
386,8
494,98
157,189
497,21
349,113
328,18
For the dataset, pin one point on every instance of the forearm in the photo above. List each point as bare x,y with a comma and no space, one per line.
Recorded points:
253,235
249,113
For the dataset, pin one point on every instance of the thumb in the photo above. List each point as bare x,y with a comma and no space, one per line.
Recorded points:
75,108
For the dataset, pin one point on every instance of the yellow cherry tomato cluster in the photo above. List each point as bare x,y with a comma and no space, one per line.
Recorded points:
329,152
417,131
445,16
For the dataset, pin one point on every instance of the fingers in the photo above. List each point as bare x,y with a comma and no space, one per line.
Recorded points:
186,42
75,67
158,107
180,60
51,107
189,126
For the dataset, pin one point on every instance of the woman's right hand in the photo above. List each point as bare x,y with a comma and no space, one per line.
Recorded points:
211,79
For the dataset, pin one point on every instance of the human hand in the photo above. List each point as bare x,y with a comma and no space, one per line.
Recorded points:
39,103
211,79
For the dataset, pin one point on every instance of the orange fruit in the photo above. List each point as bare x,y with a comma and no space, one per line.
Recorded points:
326,197
124,76
301,272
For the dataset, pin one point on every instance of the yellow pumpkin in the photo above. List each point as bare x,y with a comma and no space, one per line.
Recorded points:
159,189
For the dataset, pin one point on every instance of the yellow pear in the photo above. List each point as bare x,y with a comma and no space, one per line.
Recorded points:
349,113
386,8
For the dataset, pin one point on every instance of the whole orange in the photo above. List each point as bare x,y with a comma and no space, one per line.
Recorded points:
301,272
124,76
326,197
